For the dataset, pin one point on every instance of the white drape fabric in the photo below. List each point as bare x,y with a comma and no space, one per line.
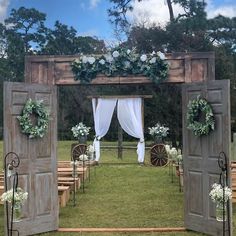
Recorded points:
129,113
102,113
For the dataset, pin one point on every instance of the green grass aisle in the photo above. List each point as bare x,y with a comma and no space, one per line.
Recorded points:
127,196
122,196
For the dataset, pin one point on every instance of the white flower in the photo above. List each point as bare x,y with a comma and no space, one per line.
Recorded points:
153,53
19,196
218,195
90,148
91,60
153,60
115,54
109,58
128,51
74,163
167,148
158,130
83,157
127,64
77,60
84,59
102,61
161,55
143,58
173,153
80,130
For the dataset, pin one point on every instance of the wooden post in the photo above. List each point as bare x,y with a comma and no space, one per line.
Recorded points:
120,140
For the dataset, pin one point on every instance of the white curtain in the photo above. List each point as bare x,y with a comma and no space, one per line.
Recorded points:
102,113
129,113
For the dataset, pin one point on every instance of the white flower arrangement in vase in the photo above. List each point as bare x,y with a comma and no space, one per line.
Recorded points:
80,131
158,132
217,192
19,197
220,197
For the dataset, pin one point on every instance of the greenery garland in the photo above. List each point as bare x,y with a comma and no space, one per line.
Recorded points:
121,62
196,108
37,109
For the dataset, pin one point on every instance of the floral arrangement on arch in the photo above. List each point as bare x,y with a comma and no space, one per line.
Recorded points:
80,130
19,196
216,193
121,62
158,131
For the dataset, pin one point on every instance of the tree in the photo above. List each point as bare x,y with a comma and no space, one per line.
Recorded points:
63,40
29,25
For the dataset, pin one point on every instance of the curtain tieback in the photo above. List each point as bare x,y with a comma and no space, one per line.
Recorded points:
97,138
141,140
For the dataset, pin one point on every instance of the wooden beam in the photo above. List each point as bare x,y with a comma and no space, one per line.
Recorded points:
120,230
120,96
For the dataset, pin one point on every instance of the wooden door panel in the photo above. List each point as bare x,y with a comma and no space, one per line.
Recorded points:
37,169
200,155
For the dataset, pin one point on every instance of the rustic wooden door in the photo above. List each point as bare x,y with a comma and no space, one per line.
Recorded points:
200,155
37,170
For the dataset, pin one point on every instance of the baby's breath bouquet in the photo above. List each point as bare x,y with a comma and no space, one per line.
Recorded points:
80,130
19,196
217,193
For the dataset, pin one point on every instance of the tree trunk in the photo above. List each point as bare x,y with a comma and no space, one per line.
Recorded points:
171,13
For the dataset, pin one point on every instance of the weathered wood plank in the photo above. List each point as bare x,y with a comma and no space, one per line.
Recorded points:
184,68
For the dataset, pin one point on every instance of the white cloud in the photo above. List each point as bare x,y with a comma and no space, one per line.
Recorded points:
90,32
3,9
226,8
152,11
93,3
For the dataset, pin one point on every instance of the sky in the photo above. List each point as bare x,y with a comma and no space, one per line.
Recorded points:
89,17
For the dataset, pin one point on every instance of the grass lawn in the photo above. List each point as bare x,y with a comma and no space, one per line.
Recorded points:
123,196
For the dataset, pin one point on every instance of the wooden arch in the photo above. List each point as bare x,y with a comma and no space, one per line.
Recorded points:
184,68
195,70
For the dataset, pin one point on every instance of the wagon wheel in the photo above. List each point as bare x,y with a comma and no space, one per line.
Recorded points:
159,156
78,150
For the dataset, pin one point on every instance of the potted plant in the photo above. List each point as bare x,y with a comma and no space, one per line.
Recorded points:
80,132
16,199
158,132
220,197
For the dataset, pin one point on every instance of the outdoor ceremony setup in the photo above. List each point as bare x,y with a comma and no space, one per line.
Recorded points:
45,184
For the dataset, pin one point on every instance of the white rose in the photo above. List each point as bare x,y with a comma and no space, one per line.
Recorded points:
91,60
128,51
143,58
153,60
102,61
115,54
84,59
161,55
109,58
127,64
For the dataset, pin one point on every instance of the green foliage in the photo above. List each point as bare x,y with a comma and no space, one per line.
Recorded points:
121,62
197,108
38,110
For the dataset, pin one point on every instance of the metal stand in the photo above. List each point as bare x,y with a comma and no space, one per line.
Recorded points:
11,161
223,164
